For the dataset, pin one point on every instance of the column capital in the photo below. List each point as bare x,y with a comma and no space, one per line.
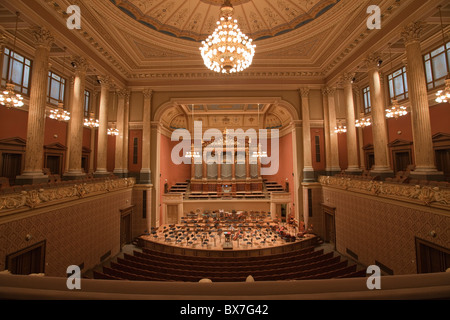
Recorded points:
373,61
328,91
105,81
348,78
304,92
80,64
123,93
411,33
148,93
43,37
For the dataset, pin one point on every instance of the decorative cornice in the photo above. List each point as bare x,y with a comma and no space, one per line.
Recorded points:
421,195
27,200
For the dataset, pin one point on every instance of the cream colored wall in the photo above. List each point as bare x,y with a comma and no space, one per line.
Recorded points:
315,105
136,106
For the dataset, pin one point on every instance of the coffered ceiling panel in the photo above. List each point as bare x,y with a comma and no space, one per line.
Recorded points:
196,19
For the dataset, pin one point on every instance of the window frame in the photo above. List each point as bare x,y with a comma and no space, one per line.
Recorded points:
404,77
7,64
433,84
50,99
367,103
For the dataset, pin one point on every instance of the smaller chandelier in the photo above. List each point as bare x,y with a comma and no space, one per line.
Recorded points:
443,96
396,111
59,113
113,132
340,129
9,98
91,122
363,122
194,155
227,50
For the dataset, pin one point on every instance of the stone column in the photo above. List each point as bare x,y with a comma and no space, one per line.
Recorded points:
69,126
126,130
308,171
352,141
326,129
247,163
219,167
379,125
420,112
102,148
359,111
146,172
93,131
334,145
34,154
121,168
75,171
297,150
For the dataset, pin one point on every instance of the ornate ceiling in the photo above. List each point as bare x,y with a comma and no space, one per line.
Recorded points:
196,19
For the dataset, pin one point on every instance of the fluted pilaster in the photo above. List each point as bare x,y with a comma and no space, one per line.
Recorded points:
334,145
77,120
308,171
102,149
379,125
145,175
34,155
121,168
352,141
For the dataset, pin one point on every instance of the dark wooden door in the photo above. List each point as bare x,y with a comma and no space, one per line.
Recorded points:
125,230
402,161
12,166
431,258
27,261
54,164
443,161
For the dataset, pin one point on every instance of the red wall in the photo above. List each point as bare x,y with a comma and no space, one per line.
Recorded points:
111,160
343,153
286,158
13,123
440,118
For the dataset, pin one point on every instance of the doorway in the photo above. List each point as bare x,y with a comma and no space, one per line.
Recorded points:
443,162
126,227
329,225
30,260
53,163
431,257
11,166
402,159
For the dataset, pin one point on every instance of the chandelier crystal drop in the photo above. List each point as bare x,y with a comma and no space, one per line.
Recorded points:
9,98
396,111
227,50
113,131
59,113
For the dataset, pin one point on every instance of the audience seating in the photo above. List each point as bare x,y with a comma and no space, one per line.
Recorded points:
150,265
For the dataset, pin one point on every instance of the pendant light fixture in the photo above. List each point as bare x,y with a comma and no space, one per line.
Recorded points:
59,113
443,96
396,110
8,97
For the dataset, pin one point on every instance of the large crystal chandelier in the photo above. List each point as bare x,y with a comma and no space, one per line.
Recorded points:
443,96
113,131
340,129
8,97
227,50
59,113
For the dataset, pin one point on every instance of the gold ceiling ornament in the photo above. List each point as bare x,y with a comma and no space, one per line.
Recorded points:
8,97
228,50
443,96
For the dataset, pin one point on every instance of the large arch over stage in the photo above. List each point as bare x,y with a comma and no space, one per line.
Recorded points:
221,113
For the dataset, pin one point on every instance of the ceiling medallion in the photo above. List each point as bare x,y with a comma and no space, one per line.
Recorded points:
227,50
